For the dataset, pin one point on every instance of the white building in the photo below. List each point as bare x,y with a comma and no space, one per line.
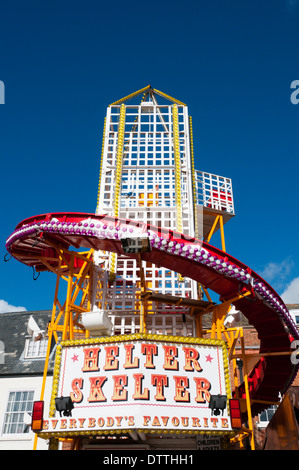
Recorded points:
21,370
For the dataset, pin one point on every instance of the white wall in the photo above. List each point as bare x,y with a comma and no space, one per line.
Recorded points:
22,441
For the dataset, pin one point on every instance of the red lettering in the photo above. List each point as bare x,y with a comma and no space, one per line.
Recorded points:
156,421
54,423
185,421
110,421
96,393
77,396
165,420
214,422
101,422
63,424
45,424
160,381
91,423
224,422
138,395
129,364
195,423
202,390
111,362
181,394
73,423
175,421
91,357
119,382
149,350
170,362
81,422
131,421
191,356
118,420
146,420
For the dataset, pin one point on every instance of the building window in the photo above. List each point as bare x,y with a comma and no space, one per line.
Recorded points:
266,416
19,403
35,349
295,315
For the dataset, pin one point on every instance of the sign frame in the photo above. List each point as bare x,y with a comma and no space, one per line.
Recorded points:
56,426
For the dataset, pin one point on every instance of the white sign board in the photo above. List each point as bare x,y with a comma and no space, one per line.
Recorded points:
140,382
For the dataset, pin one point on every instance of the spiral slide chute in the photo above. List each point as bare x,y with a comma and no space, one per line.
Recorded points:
192,258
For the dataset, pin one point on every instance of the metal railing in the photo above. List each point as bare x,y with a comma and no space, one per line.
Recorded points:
214,192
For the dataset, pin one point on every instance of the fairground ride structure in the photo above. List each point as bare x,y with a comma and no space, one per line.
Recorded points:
155,349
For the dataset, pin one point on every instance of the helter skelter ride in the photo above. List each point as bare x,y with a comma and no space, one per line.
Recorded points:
144,353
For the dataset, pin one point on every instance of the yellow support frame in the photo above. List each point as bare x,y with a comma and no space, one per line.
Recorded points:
164,95
118,177
177,165
132,95
232,336
218,219
146,89
119,158
177,172
142,304
64,318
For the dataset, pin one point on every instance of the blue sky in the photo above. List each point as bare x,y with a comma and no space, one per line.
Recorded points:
62,62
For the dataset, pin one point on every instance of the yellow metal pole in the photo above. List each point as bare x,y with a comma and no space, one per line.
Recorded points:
143,309
177,165
67,312
212,229
132,95
235,377
222,233
119,158
118,178
219,312
142,318
232,338
71,324
168,97
51,328
214,322
85,269
58,275
177,172
220,318
44,377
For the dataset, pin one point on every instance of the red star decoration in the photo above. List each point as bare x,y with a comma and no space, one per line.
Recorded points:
75,358
209,358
